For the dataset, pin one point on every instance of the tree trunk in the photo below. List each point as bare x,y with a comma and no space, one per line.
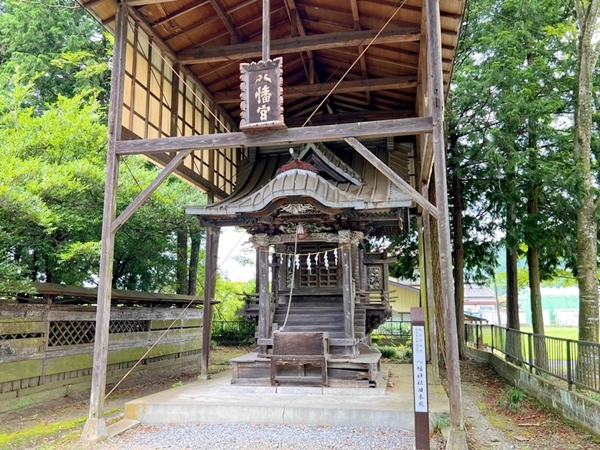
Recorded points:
513,341
587,227
196,241
537,316
540,356
436,275
587,241
182,267
459,256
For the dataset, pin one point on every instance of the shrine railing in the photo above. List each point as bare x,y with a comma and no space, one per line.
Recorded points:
575,362
375,297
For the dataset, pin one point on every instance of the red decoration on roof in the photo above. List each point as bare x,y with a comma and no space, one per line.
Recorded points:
294,164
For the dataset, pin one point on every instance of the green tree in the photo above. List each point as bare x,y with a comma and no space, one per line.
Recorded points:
57,46
51,195
509,165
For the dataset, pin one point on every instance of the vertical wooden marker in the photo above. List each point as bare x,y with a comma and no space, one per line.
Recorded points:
417,318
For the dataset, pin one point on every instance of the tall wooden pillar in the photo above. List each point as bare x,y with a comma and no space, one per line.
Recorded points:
261,241
436,91
210,281
95,426
346,239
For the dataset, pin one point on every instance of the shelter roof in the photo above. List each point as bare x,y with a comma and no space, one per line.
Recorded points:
65,294
320,40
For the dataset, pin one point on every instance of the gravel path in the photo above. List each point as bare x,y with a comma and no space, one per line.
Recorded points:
260,437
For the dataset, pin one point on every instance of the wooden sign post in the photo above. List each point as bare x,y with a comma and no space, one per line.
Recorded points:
417,318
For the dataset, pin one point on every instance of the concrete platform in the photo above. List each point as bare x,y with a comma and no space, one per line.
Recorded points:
217,401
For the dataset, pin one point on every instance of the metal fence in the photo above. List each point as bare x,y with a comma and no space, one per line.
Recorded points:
576,362
233,332
394,330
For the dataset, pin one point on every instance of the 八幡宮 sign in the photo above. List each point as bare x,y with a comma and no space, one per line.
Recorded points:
261,95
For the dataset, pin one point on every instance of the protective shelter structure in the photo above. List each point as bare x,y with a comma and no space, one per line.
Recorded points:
358,94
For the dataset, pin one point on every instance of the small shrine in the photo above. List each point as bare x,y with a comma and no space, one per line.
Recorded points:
310,213
365,86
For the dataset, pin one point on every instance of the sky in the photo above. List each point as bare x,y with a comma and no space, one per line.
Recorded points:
233,243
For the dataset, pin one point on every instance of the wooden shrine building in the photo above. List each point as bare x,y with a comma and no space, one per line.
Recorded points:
331,137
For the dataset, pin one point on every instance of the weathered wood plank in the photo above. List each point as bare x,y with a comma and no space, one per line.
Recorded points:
298,44
324,133
436,92
392,176
68,363
22,327
315,90
13,347
20,369
300,343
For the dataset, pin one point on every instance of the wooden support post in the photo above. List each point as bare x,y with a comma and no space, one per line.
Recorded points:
95,426
266,31
264,299
436,91
346,240
210,279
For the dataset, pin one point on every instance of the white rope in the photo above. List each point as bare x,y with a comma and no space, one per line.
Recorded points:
287,314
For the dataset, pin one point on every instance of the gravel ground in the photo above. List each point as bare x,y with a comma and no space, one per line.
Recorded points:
260,437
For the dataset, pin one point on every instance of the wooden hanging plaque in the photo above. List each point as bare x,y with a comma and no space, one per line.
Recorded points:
261,95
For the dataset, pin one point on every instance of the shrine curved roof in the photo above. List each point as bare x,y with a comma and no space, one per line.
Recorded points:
262,188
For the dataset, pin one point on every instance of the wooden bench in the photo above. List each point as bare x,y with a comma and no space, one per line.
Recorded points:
299,349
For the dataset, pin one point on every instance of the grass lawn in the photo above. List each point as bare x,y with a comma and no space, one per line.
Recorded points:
556,348
556,331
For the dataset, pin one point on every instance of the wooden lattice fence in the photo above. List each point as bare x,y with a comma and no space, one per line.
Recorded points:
46,350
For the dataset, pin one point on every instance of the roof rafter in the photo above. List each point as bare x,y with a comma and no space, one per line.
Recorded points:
235,34
314,90
349,117
361,47
298,44
145,2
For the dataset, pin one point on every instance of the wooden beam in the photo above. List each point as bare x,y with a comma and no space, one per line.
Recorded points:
190,176
179,13
210,281
321,90
392,176
298,44
290,136
235,34
266,30
95,429
91,3
146,193
146,2
297,26
349,117
363,60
